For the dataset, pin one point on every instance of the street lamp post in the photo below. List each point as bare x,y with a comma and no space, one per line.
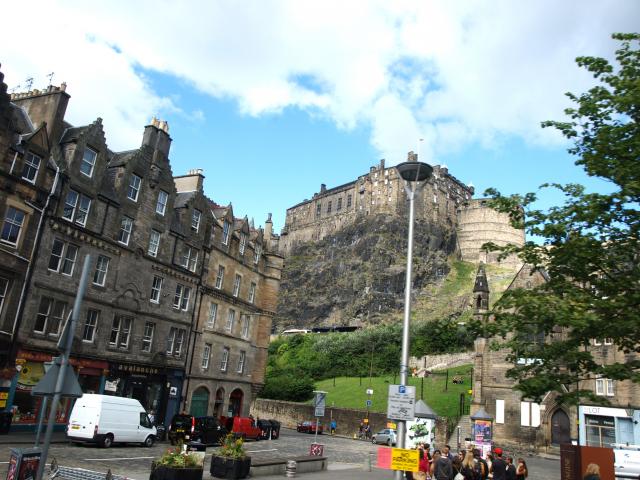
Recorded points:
414,174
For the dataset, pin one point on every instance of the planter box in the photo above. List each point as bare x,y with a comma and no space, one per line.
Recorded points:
230,468
160,472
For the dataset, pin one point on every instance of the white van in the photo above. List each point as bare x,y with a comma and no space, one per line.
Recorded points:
104,419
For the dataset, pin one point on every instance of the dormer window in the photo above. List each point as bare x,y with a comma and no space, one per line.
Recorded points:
31,166
195,220
226,229
243,242
134,187
88,162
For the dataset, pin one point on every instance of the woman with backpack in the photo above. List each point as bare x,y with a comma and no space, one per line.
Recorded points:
467,467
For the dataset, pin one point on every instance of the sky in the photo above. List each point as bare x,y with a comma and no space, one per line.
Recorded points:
273,98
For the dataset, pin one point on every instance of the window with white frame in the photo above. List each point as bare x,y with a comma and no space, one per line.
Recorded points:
154,243
63,257
147,336
181,298
597,342
499,411
236,285
231,318
88,162
196,216
604,387
76,207
31,167
100,274
608,341
220,277
51,314
206,355
134,187
161,203
156,289
90,325
120,332
243,243
241,360
257,252
189,258
226,230
224,361
213,313
252,292
246,320
4,287
13,221
126,225
529,414
175,341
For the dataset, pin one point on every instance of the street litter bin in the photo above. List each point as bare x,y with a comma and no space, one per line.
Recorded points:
196,447
275,429
161,433
265,428
5,422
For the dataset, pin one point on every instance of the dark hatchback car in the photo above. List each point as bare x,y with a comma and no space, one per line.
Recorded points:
187,428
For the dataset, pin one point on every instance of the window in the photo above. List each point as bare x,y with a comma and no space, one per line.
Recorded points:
246,320
154,243
156,288
189,258
243,243
597,342
339,207
181,298
120,331
50,316
608,341
147,336
318,210
100,275
69,260
348,200
257,253
196,215
4,286
88,162
226,228
134,187
236,285
604,387
499,411
12,225
90,325
529,414
175,341
31,166
206,355
231,318
241,360
76,207
213,313
601,431
125,230
161,204
329,207
224,362
252,292
220,277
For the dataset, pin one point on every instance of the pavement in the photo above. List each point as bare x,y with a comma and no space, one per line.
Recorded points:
28,438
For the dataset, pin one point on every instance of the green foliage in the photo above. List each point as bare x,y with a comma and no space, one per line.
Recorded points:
590,246
232,447
176,458
288,387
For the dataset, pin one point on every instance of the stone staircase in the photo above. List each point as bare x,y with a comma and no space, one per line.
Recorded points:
465,432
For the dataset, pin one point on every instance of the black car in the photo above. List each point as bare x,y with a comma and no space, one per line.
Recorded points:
187,428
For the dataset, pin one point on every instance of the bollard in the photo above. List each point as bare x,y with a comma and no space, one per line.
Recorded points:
366,466
290,469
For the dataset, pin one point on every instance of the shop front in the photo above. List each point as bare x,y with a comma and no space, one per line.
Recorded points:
31,366
157,389
609,427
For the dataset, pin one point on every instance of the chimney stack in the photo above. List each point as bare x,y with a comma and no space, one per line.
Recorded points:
156,135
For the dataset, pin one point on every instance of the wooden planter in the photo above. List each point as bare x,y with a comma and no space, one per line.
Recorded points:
230,468
161,472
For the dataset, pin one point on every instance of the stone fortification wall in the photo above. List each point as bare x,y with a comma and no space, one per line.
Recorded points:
479,224
436,362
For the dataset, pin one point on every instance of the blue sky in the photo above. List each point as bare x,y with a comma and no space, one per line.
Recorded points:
273,98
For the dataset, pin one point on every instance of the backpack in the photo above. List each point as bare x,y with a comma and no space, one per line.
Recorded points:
478,470
443,469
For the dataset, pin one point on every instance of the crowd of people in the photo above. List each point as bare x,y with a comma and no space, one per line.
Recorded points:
467,465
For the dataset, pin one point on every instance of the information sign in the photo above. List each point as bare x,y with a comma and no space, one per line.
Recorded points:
319,403
398,459
402,402
369,403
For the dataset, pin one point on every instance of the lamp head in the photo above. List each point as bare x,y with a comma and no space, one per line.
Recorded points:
414,171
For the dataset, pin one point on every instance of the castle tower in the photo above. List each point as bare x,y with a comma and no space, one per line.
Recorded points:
481,292
480,308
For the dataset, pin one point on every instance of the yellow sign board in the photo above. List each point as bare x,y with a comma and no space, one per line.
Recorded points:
4,395
405,459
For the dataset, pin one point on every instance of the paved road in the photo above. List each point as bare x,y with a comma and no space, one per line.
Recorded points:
346,457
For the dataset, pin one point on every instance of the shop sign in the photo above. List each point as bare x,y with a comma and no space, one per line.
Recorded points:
604,411
111,386
173,391
140,369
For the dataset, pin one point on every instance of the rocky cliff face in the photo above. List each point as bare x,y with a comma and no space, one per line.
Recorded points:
357,275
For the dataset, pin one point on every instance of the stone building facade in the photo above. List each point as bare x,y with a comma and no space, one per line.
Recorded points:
153,240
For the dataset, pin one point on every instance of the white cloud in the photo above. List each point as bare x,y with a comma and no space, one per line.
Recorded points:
466,72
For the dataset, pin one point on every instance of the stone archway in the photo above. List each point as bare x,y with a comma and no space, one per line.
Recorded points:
199,402
218,406
560,427
235,403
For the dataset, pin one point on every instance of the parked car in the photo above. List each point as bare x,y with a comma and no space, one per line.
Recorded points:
386,437
242,427
106,419
627,462
185,428
309,427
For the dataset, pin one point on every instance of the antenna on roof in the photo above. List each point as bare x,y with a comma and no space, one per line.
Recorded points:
50,77
29,82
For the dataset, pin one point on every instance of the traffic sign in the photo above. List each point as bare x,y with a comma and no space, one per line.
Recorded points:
369,403
402,402
319,403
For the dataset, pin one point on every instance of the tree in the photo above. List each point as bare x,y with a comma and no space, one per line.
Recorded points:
590,247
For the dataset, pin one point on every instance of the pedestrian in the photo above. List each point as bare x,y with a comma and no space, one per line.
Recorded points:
592,472
489,463
334,426
443,470
467,467
521,470
499,466
423,459
480,467
456,465
511,469
434,459
446,452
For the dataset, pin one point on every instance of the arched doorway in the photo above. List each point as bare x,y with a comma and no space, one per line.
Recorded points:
235,403
560,428
199,402
219,405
